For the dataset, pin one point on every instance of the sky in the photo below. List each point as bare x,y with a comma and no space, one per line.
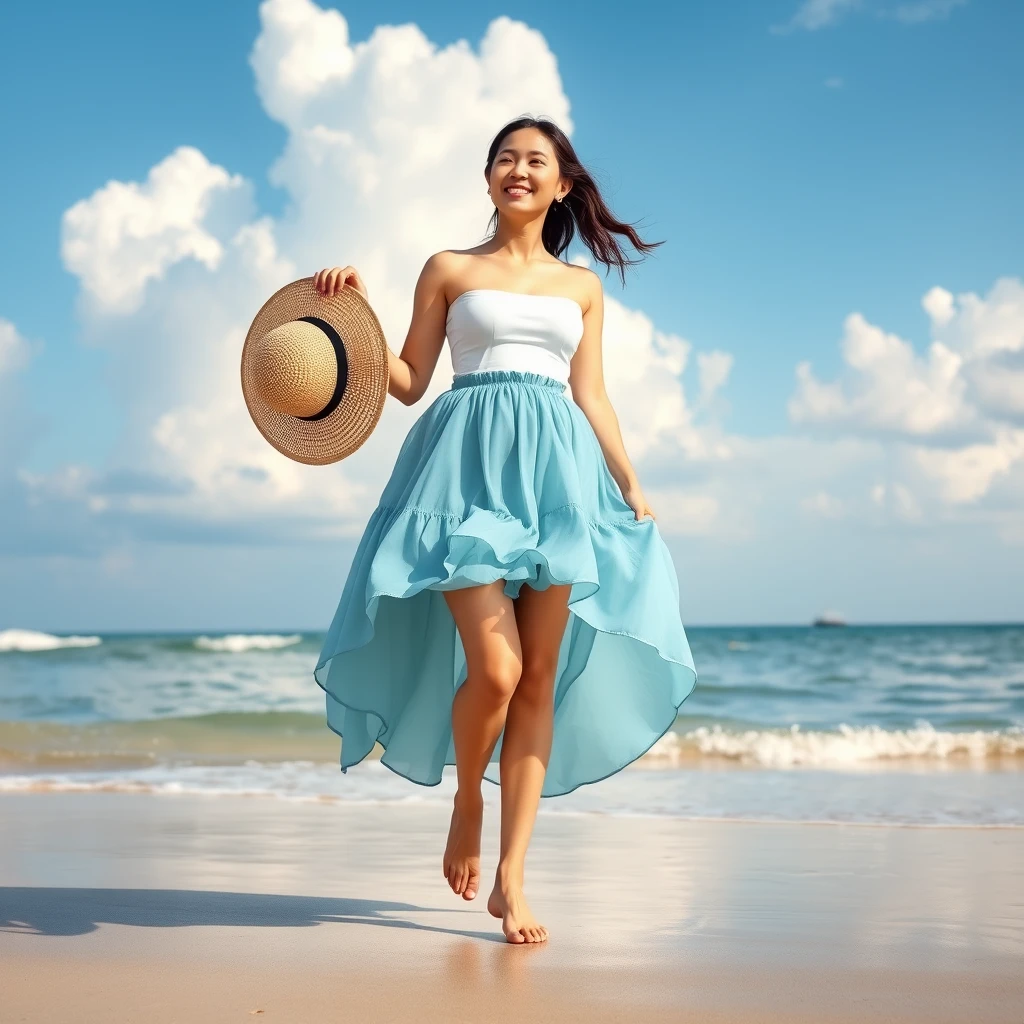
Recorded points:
819,376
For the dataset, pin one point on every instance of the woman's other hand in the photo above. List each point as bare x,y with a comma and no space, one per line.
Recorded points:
635,499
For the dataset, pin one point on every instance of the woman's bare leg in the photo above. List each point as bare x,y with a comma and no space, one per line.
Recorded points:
486,621
541,616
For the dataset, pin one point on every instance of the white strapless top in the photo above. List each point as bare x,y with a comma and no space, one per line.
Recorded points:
490,329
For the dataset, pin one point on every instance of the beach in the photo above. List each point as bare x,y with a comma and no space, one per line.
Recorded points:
831,831
141,907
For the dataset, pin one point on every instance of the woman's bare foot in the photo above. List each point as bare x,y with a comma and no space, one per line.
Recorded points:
462,853
508,902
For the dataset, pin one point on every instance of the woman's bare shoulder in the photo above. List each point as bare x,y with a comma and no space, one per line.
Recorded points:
446,268
583,285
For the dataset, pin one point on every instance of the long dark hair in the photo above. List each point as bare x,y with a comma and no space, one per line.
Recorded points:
582,207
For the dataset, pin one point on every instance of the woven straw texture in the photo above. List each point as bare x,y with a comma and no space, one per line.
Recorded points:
344,430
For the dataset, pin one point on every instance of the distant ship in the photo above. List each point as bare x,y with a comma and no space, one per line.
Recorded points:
829,619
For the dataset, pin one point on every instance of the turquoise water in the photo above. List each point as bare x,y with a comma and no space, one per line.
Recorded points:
918,724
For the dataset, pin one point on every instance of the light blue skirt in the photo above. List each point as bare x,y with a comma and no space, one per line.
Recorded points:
502,477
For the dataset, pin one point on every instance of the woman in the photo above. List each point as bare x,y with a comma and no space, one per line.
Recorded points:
511,598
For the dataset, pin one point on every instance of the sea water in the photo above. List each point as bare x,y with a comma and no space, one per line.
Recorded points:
912,725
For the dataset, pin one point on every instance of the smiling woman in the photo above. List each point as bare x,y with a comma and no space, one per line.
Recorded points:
511,600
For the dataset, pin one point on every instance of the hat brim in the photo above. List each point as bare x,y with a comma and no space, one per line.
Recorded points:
344,429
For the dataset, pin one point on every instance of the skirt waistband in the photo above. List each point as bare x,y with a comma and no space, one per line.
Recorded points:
465,380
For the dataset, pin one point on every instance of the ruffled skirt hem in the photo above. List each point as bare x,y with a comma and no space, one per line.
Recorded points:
635,668
505,482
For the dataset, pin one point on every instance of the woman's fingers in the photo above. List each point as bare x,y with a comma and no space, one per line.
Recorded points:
331,280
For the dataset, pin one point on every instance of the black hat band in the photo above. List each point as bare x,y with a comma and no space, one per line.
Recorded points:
339,353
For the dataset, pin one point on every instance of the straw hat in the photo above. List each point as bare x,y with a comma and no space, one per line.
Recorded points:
315,372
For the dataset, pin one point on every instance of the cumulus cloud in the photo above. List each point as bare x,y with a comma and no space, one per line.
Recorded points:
959,409
989,332
966,474
888,388
644,369
127,234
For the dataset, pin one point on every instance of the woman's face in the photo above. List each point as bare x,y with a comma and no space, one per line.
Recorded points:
525,160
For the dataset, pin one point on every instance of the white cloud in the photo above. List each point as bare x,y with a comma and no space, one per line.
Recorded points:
966,474
13,348
813,15
644,370
816,14
714,369
127,234
887,387
925,10
835,82
957,412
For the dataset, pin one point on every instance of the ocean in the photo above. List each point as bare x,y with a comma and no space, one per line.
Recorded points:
910,725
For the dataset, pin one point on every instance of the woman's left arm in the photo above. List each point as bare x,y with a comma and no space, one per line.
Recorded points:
586,379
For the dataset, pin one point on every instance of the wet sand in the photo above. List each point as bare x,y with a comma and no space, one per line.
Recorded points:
120,907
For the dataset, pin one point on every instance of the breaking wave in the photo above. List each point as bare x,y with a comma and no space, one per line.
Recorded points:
31,640
239,643
846,746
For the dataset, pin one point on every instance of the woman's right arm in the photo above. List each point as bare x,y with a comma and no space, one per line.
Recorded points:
410,372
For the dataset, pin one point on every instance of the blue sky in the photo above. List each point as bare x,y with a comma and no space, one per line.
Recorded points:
804,162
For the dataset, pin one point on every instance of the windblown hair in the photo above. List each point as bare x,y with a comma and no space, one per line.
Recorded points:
583,206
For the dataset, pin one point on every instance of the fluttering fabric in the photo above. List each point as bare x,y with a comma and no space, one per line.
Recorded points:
503,478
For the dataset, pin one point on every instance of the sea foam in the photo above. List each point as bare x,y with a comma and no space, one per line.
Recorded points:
239,643
31,640
846,746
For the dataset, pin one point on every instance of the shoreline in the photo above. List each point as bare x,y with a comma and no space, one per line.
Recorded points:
331,801
801,795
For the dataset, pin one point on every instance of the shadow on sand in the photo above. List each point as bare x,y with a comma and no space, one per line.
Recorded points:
76,911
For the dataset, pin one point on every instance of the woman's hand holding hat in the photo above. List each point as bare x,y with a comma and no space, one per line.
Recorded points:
331,281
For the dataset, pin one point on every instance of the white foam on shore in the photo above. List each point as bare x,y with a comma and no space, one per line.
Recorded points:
911,799
32,640
239,643
294,781
848,746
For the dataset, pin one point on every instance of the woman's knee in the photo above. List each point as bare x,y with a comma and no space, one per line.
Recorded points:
500,677
537,680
